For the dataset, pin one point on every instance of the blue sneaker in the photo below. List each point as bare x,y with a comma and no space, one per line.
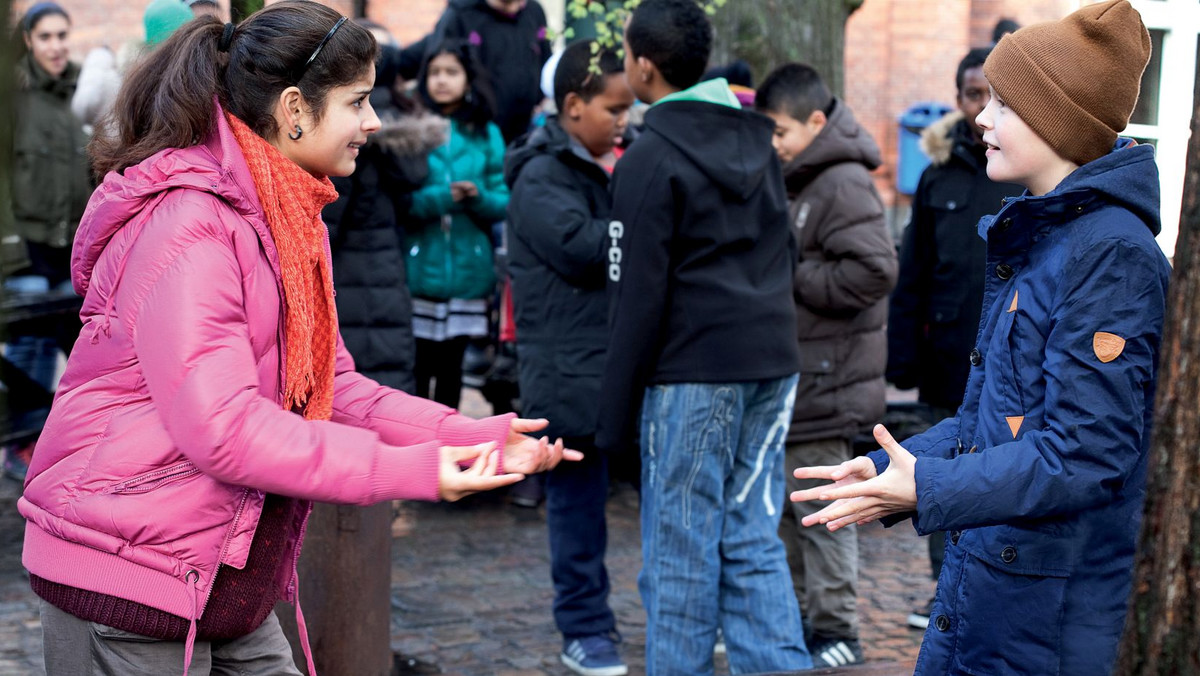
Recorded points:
594,655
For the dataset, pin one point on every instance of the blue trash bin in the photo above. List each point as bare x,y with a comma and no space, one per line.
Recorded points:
912,160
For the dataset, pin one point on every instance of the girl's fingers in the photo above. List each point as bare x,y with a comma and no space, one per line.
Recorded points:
526,425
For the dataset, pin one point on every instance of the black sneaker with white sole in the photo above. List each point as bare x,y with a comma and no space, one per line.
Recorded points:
836,652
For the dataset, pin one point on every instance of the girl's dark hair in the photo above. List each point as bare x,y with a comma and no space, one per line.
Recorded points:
476,109
166,100
30,20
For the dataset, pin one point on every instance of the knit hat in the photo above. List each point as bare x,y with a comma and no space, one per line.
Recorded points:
161,19
1074,81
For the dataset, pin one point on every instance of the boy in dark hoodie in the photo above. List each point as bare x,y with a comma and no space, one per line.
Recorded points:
700,263
847,266
1040,478
558,218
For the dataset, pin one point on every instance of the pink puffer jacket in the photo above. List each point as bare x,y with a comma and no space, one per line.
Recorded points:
168,429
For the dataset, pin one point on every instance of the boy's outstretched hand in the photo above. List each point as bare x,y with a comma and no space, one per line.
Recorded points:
860,496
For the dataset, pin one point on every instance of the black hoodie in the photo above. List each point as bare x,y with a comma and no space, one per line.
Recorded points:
701,260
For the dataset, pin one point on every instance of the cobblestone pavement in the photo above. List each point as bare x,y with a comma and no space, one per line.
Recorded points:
471,589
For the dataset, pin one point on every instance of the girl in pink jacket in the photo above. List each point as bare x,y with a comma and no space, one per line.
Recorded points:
209,398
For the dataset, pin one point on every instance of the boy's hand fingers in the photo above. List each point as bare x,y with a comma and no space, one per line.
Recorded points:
815,472
833,512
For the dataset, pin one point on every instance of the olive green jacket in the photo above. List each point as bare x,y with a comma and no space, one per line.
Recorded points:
50,182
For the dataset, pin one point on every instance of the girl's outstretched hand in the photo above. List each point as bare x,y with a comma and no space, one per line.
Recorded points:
455,482
860,496
525,454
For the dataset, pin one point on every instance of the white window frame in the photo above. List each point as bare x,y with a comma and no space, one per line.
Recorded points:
1180,21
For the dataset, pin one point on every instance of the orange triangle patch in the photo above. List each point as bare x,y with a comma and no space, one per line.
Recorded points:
1013,307
1108,346
1014,423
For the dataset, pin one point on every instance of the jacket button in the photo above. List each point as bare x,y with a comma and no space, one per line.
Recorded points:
1004,271
960,445
942,623
954,535
1005,224
976,357
1008,554
972,449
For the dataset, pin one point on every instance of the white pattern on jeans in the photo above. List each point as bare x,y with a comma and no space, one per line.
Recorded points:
780,427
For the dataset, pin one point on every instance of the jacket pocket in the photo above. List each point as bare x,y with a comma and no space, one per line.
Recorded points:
1008,622
153,480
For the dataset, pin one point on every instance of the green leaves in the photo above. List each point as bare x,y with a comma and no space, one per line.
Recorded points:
608,18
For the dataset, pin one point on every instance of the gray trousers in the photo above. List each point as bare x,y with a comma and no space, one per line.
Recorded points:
824,565
75,647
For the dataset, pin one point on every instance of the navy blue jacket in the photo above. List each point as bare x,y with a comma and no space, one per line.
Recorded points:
1040,479
558,218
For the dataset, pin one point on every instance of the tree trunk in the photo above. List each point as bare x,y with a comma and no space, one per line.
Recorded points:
1163,624
767,33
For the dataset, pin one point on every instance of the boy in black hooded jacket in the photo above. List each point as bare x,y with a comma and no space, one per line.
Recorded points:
702,326
558,218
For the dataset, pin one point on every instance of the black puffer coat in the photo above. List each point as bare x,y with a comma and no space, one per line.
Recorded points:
847,268
937,302
558,218
366,234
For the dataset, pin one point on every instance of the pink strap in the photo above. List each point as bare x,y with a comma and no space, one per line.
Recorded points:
312,668
191,635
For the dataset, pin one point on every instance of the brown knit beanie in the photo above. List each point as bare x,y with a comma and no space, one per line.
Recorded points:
1074,81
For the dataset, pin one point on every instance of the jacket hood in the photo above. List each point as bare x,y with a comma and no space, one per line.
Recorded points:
937,141
550,139
732,147
841,140
409,134
31,77
1127,176
214,166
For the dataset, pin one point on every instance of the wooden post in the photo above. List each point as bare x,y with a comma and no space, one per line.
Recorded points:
345,591
1163,625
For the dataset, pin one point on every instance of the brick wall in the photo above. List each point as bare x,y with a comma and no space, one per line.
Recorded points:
901,52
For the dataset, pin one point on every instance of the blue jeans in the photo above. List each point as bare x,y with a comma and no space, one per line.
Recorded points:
36,356
576,493
712,495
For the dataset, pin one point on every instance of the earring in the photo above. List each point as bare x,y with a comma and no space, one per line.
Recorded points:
297,135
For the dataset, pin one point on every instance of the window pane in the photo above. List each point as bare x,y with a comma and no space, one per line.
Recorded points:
1146,111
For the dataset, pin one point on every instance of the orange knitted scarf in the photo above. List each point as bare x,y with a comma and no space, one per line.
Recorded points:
292,200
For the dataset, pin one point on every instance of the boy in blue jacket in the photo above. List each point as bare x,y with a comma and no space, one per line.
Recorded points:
1040,478
702,344
557,250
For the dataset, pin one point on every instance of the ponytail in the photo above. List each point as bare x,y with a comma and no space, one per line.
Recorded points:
166,100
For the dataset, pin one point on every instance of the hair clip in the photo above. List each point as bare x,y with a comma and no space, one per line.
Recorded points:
321,46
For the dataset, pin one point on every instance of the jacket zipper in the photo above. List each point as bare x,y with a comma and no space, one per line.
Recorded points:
148,482
212,583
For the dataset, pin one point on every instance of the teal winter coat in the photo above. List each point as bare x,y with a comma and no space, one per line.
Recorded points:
451,255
